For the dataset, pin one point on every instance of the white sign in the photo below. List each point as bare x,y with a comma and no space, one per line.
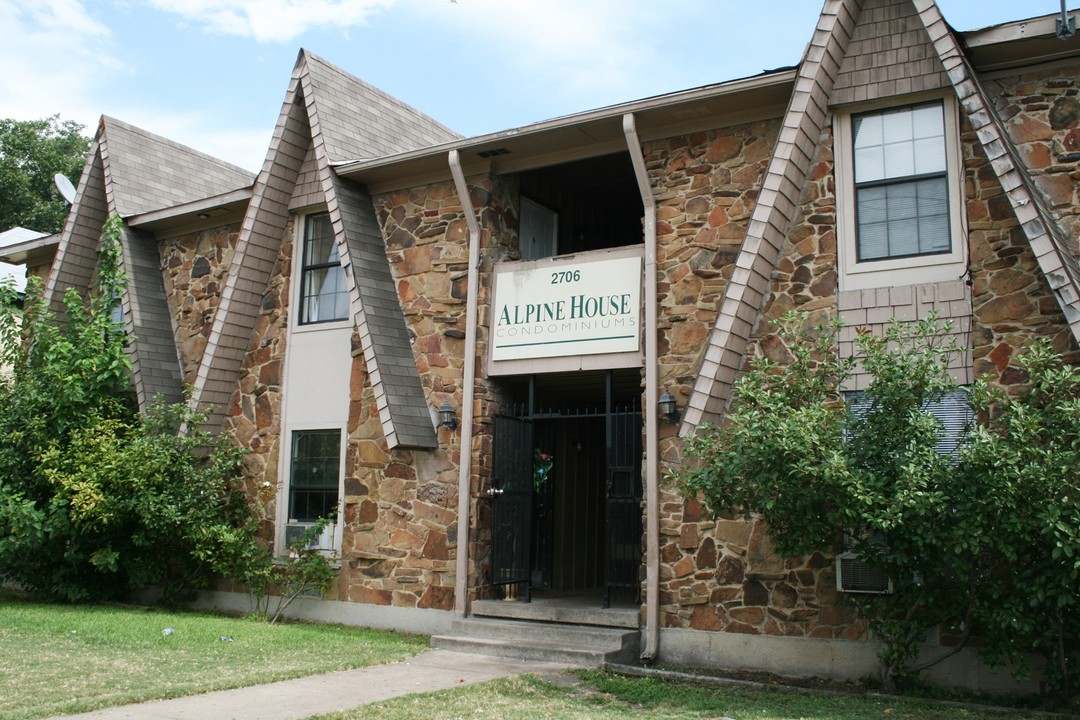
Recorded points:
581,308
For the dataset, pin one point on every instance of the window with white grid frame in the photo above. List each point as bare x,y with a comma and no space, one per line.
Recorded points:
901,176
323,295
901,211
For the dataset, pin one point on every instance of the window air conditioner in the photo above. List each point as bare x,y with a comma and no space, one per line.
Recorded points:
858,576
294,530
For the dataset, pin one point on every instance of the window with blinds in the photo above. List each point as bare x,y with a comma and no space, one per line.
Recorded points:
952,410
901,182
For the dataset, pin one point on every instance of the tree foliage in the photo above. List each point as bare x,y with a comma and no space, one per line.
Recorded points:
306,569
31,153
97,500
1029,452
958,533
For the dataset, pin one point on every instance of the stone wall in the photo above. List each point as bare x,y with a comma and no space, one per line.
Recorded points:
1013,302
1041,111
705,187
427,245
253,417
194,267
721,574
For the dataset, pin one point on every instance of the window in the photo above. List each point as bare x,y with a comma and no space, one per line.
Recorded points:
952,410
314,474
900,201
901,196
323,295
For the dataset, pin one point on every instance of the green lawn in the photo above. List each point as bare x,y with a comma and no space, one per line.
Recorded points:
602,696
57,659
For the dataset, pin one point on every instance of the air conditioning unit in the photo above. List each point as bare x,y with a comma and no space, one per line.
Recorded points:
294,530
858,576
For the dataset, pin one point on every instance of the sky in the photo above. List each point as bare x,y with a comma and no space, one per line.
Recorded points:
212,74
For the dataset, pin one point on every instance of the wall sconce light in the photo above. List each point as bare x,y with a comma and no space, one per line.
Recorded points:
447,418
668,408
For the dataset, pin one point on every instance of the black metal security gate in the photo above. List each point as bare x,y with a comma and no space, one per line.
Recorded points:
615,522
622,551
511,508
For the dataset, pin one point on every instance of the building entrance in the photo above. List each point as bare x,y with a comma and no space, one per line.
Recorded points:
566,488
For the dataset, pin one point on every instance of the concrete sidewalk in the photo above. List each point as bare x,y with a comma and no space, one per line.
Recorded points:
301,698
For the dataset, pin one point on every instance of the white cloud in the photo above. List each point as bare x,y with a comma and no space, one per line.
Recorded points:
55,52
273,20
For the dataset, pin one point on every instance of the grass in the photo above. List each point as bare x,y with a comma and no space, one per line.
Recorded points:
604,696
65,659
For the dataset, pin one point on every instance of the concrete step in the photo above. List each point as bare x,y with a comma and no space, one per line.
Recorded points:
629,618
540,652
551,642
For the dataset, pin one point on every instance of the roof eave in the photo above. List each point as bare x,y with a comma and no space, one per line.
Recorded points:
590,133
207,211
1018,44
21,253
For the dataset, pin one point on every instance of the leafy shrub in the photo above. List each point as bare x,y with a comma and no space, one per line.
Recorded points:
985,541
97,500
307,569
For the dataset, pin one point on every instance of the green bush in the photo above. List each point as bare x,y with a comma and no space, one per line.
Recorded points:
984,541
96,499
1026,458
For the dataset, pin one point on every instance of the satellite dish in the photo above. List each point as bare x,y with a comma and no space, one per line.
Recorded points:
67,190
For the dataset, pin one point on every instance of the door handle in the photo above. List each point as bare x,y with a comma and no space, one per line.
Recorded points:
492,492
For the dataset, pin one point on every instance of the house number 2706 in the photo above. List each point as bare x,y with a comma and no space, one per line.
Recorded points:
565,276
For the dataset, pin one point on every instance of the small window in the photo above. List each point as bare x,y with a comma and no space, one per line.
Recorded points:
901,182
953,410
314,472
323,295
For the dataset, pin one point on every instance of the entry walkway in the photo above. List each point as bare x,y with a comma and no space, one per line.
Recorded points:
303,697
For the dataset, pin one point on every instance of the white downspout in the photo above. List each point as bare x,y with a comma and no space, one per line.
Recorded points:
468,390
652,386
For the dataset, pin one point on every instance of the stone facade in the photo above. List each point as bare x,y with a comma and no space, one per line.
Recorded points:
721,574
427,245
1013,302
705,187
194,267
254,414
716,574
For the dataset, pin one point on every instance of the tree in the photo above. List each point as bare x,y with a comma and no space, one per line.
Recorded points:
31,153
96,499
1028,452
986,540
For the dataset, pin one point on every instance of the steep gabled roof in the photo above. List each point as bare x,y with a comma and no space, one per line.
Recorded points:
358,121
777,206
145,172
1048,241
865,50
341,118
131,171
